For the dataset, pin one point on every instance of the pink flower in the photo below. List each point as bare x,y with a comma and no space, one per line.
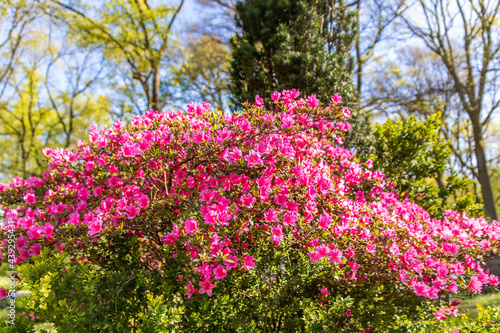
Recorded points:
47,151
433,293
286,120
30,198
346,113
493,279
112,169
323,250
475,284
97,192
81,206
3,293
90,165
258,101
247,200
314,256
349,252
224,133
348,313
290,218
253,159
27,222
271,215
291,94
440,314
275,96
130,150
47,230
325,220
143,201
324,292
337,99
208,195
421,289
453,287
354,265
107,205
206,287
74,219
394,249
132,211
202,108
451,247
484,244
23,254
201,136
235,154
439,283
35,250
219,272
281,199
371,248
249,263
192,290
22,242
190,225
335,256
205,269
277,235
34,232
95,227
312,101
231,262
191,107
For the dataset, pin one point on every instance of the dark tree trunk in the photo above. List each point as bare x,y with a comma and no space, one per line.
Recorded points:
155,102
484,177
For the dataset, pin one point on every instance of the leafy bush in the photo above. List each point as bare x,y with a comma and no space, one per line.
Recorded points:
414,155
487,321
254,221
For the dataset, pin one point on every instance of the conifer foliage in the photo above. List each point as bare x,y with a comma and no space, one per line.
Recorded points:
284,44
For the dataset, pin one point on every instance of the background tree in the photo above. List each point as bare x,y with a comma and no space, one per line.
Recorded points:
15,18
47,95
464,37
416,157
76,103
135,34
417,83
374,24
201,71
285,44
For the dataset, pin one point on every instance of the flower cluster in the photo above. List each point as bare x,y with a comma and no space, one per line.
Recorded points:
211,189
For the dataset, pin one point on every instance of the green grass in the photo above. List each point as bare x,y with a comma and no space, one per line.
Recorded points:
468,303
492,299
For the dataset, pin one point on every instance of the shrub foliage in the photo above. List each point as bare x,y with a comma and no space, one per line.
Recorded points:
258,221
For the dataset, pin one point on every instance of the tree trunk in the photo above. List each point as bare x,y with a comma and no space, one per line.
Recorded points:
484,177
358,53
440,180
155,103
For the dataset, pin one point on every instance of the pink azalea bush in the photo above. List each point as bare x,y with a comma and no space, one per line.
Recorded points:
211,190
